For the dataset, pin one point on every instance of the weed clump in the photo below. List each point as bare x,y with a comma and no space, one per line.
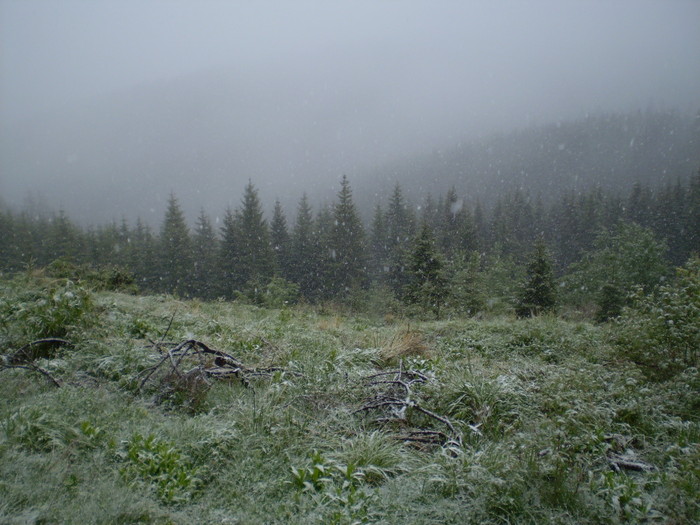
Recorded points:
58,308
405,343
161,465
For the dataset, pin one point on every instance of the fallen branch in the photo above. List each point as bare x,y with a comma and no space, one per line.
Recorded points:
621,463
223,365
34,368
396,389
23,355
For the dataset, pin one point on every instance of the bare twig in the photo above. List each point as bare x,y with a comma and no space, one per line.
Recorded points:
23,355
34,368
170,324
393,383
620,462
225,365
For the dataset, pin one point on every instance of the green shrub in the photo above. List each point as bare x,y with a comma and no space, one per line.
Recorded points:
58,309
662,331
107,278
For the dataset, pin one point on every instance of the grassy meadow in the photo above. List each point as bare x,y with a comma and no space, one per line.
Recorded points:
326,416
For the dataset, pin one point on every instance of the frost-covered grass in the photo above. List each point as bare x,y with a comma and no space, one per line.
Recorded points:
542,407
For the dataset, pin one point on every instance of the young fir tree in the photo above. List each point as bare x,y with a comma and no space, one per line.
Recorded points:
324,227
204,253
254,257
228,281
303,264
539,291
175,250
64,239
611,300
281,242
143,256
379,248
400,221
427,286
348,262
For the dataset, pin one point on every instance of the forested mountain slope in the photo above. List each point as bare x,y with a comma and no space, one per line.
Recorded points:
612,151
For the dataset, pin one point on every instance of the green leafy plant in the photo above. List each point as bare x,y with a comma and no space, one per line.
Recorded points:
662,331
337,488
160,464
56,310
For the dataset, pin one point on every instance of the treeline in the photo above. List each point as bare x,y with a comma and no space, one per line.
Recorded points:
445,252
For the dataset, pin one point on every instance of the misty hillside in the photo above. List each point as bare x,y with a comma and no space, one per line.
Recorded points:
204,136
612,151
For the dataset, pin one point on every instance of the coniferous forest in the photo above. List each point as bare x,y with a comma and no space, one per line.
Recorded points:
444,255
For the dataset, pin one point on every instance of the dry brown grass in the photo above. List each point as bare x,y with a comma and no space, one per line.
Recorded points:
406,342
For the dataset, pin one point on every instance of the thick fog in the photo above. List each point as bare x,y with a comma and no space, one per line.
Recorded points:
108,106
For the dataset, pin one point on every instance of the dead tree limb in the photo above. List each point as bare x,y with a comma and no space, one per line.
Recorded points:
224,364
394,392
23,355
34,368
622,463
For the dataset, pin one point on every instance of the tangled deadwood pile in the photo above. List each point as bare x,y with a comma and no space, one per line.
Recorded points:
393,398
189,367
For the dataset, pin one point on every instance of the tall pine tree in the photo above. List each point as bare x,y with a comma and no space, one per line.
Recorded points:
204,253
254,257
304,252
426,286
348,263
175,250
539,291
281,242
228,280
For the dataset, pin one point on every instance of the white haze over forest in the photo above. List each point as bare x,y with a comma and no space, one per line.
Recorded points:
106,107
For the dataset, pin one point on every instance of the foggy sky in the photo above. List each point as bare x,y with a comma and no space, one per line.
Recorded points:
332,86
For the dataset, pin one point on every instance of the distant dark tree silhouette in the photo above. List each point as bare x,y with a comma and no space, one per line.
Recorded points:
254,260
426,286
204,258
228,279
304,255
539,291
281,242
175,250
348,257
610,303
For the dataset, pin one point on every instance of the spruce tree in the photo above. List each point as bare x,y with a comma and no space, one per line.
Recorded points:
348,260
143,262
379,245
204,253
400,221
175,250
64,239
324,227
281,242
254,258
228,281
539,292
457,230
427,286
400,226
304,253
